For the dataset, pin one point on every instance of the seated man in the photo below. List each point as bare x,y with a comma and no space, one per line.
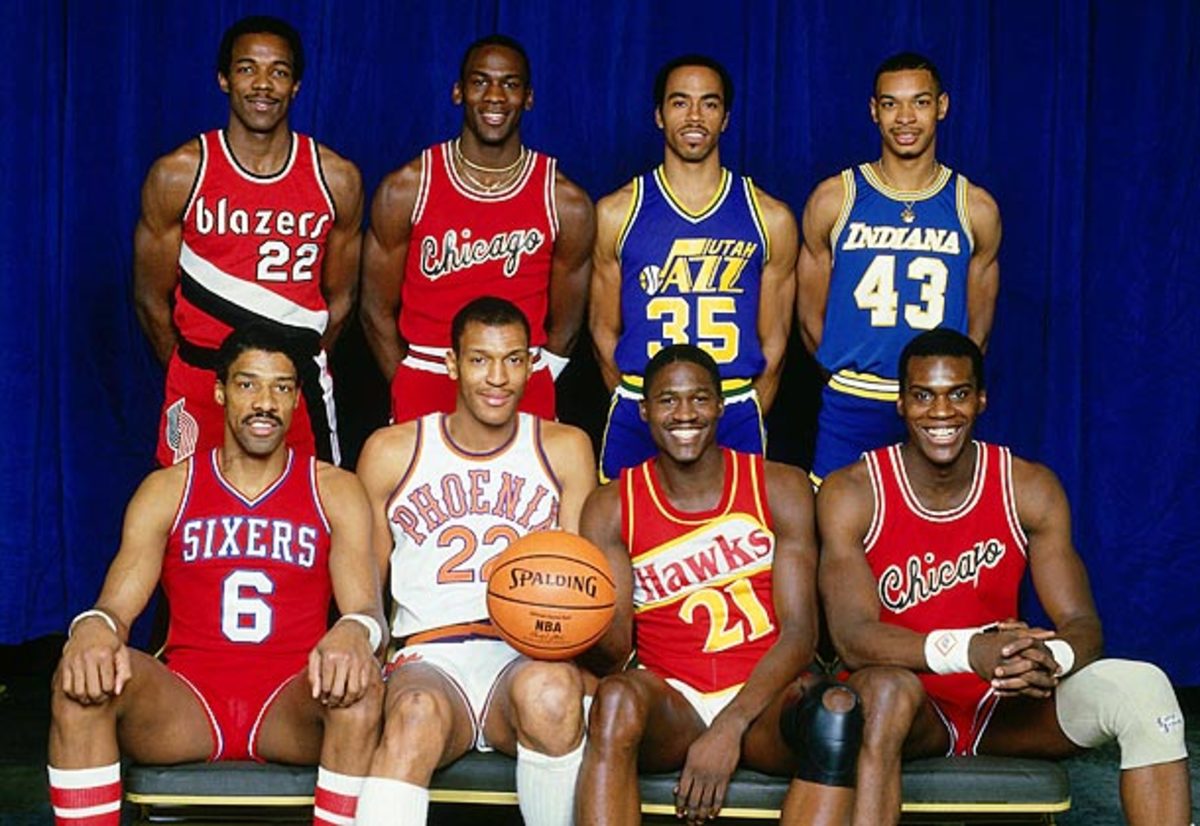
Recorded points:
715,560
249,540
448,493
924,546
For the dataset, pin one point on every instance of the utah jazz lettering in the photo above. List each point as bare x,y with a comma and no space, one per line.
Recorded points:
477,492
700,265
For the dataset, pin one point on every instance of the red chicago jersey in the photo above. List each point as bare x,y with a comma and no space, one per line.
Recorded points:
253,245
946,569
703,610
466,244
247,580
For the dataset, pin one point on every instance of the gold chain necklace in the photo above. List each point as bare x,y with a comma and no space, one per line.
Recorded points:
507,173
907,215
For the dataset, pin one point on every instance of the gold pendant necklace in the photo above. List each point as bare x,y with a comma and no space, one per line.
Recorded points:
908,215
507,173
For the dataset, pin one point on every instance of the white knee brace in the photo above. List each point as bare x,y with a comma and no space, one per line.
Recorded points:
1130,701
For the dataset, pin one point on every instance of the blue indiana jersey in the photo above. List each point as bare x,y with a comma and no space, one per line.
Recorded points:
692,277
899,268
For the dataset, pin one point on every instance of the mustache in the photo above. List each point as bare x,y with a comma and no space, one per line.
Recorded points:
260,416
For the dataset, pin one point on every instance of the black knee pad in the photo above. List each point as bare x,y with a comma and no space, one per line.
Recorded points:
826,742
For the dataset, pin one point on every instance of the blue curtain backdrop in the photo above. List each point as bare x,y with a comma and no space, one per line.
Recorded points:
1079,117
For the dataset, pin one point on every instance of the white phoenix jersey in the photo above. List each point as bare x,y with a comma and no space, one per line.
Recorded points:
452,514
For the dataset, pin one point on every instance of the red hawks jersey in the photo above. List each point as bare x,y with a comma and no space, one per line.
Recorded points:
703,610
253,245
946,569
247,579
466,244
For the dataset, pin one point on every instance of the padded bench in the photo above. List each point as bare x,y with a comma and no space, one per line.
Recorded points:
991,788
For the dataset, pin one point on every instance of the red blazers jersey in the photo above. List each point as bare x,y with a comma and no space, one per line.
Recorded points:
946,569
247,579
253,245
466,244
703,611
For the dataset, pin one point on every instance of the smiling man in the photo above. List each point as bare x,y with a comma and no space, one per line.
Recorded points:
691,254
481,214
891,247
924,546
249,223
448,493
714,557
249,541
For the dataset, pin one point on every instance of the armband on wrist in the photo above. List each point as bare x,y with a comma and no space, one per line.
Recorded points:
555,363
93,612
1064,655
374,631
947,650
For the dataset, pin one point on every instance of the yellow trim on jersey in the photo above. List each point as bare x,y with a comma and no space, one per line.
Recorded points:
964,210
702,521
731,576
872,177
865,385
729,387
756,215
635,206
759,486
660,175
702,526
849,193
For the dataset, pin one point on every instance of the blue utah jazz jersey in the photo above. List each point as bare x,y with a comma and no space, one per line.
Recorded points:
692,277
899,268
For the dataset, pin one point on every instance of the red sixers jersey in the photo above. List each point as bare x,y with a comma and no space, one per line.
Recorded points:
253,245
703,610
247,580
466,244
947,569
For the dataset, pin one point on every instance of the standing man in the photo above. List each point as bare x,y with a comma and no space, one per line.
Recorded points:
923,548
448,494
481,214
714,557
892,247
249,541
690,253
250,223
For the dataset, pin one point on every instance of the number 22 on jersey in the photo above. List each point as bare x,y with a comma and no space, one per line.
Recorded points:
876,292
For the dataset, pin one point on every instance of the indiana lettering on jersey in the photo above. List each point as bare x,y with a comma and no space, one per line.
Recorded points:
730,546
457,251
700,265
226,220
429,506
922,577
248,537
861,236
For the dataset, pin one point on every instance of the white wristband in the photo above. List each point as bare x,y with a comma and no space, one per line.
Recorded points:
92,612
1064,655
947,650
555,363
374,632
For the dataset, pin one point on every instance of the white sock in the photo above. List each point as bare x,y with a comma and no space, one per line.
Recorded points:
385,802
335,798
546,786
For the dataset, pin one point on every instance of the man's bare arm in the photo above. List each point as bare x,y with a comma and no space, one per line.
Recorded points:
339,270
604,314
983,271
600,523
156,242
571,267
569,451
814,264
777,297
385,458
384,250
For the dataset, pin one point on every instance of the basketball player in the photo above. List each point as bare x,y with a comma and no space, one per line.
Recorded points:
449,492
249,541
481,214
714,558
923,548
253,222
691,253
891,247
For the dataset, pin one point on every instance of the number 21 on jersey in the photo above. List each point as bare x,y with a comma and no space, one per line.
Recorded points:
876,292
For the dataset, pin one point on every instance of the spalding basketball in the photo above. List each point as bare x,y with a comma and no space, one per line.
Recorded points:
550,594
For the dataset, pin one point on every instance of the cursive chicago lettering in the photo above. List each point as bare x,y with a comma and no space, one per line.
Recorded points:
922,577
458,251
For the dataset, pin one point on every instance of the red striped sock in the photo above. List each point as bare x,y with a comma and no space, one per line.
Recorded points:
336,798
86,797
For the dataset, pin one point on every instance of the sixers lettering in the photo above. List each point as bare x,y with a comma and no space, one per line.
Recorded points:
477,215
251,223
